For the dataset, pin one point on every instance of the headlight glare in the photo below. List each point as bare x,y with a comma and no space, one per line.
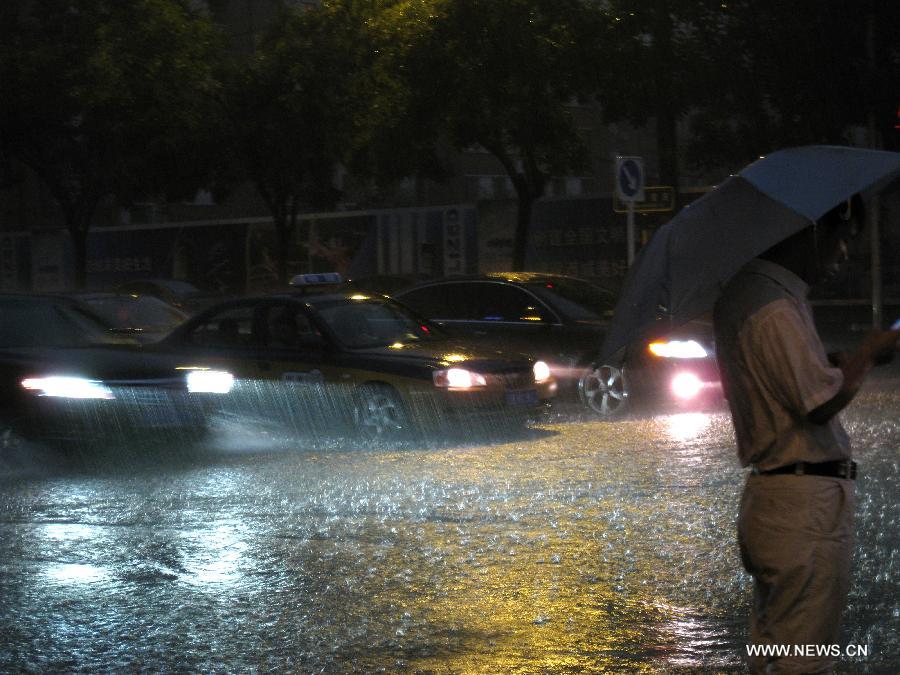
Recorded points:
678,349
67,387
458,378
209,381
541,371
686,385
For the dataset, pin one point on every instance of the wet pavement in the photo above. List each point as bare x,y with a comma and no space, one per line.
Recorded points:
577,546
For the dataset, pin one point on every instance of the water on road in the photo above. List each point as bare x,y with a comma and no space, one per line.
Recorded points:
579,546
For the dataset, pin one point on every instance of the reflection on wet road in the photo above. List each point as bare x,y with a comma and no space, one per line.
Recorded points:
580,546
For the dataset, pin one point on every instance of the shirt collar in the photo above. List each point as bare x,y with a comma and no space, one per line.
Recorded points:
780,275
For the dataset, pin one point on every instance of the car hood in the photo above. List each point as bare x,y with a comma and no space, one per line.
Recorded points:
483,356
107,363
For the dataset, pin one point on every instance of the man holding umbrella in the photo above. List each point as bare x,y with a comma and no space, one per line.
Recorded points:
750,249
795,522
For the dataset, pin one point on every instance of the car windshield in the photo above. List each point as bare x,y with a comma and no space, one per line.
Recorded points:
30,322
575,299
374,322
143,312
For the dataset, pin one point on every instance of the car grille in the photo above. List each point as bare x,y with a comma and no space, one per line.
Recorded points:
146,396
149,390
516,379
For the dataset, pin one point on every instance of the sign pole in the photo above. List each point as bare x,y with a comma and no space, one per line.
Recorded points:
630,233
874,216
630,189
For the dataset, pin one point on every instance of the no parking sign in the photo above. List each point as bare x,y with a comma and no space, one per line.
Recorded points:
630,179
630,189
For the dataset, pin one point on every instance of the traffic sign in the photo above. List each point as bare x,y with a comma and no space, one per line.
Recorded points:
630,189
630,178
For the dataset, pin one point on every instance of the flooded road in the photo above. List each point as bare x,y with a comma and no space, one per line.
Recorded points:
579,546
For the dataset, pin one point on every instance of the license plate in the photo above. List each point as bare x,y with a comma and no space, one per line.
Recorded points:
523,397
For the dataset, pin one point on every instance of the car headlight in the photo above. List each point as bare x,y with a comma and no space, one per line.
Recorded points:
678,349
686,385
541,372
67,387
458,378
209,381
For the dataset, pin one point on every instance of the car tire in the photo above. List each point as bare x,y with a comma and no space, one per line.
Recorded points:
10,439
379,413
604,390
195,435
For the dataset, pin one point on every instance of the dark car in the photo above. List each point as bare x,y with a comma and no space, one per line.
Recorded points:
144,318
326,357
562,320
63,377
384,284
181,294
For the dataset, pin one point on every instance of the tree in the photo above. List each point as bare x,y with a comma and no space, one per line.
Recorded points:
496,74
290,111
105,98
794,72
396,129
751,76
665,43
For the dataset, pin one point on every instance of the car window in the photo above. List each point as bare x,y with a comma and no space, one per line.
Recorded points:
373,323
33,322
287,326
87,322
141,312
502,302
229,328
441,301
576,299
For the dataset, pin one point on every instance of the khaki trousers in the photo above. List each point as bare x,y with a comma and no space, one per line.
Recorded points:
796,539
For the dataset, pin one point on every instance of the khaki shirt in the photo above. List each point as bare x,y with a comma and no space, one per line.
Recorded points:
774,369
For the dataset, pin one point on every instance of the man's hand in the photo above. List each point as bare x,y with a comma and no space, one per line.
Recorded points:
879,346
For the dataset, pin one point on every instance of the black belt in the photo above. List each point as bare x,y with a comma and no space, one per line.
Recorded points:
837,469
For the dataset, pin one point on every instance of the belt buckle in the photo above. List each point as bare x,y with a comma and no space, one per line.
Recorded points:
847,469
799,468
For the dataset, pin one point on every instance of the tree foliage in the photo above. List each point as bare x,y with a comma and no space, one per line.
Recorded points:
793,72
745,77
104,97
496,74
290,112
665,69
127,97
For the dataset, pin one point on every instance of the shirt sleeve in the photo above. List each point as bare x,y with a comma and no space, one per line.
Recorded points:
788,359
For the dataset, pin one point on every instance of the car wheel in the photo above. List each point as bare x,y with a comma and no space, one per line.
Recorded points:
13,434
604,390
379,413
16,451
195,435
9,439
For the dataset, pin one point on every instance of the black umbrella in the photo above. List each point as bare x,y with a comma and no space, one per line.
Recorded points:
679,274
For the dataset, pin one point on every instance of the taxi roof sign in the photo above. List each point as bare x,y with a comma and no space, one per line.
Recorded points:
305,280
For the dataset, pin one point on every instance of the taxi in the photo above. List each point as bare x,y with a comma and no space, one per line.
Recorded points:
323,355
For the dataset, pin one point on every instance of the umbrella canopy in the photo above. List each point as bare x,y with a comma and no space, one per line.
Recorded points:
679,274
